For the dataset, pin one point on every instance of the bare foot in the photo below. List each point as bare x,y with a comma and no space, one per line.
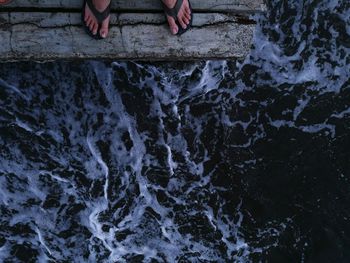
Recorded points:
184,15
91,21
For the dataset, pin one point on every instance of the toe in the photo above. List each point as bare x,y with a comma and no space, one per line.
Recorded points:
86,17
92,25
88,21
105,27
173,27
188,17
186,20
94,28
182,22
188,14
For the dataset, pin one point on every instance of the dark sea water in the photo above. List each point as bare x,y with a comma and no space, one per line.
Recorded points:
216,161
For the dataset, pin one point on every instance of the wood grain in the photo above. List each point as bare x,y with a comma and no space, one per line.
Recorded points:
45,36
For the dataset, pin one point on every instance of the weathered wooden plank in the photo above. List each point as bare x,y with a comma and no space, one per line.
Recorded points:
151,5
43,36
5,47
49,20
5,35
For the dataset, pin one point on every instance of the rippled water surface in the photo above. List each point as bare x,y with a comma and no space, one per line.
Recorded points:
216,161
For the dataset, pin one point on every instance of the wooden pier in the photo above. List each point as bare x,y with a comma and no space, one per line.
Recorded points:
48,30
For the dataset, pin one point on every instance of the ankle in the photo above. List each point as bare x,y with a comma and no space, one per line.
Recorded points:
101,4
169,3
